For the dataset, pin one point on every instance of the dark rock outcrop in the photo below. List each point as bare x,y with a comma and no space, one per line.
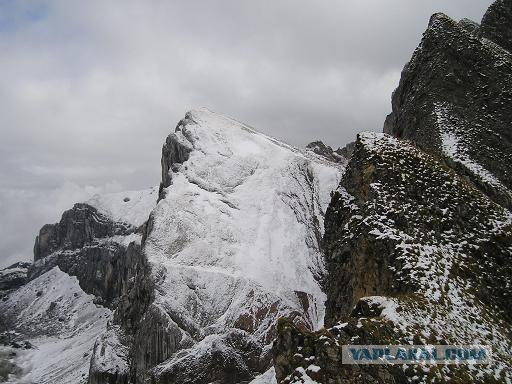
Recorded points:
471,26
454,100
497,24
13,277
377,211
230,358
84,244
418,251
341,155
325,151
106,256
78,226
347,150
175,152
110,358
319,355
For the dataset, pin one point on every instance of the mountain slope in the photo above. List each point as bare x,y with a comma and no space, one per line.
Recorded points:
52,325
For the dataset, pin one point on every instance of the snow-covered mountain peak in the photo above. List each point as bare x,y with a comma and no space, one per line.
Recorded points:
234,242
245,181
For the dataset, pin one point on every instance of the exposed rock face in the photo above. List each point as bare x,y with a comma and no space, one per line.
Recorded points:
471,26
80,225
95,249
301,356
497,24
13,277
110,358
416,249
454,100
175,152
326,151
341,155
91,246
347,150
232,245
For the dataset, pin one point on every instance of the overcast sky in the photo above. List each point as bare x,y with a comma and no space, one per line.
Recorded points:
90,89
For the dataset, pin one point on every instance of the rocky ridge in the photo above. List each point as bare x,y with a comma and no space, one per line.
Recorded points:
416,257
418,235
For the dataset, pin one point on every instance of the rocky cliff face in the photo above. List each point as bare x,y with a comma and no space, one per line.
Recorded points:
496,24
454,100
91,258
417,256
399,238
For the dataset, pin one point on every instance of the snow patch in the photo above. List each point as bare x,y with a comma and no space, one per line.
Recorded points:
131,207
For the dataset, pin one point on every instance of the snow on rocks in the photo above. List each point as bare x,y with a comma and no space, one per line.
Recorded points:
455,149
61,323
436,234
131,207
234,242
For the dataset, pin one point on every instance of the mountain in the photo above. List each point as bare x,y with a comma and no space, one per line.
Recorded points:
255,262
418,235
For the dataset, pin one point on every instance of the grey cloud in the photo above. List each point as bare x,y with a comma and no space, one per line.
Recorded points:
89,90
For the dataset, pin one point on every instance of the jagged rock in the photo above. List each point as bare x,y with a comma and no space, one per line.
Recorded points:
91,246
471,26
347,150
230,358
326,151
497,24
454,100
80,225
300,355
13,277
214,297
175,151
198,287
99,243
156,340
